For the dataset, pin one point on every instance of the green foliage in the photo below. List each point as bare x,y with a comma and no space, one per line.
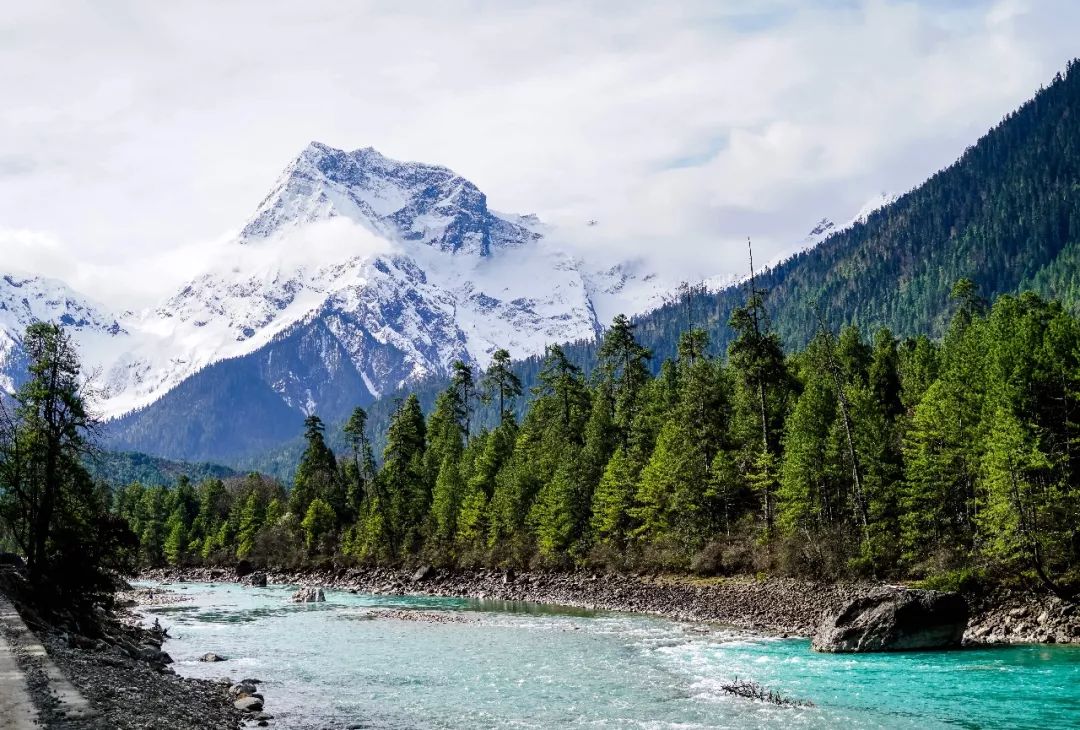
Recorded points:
50,509
853,457
318,526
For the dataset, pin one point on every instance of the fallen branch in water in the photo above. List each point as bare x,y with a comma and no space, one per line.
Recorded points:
754,691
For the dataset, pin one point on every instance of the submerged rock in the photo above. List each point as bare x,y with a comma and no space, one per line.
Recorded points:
308,594
901,620
211,657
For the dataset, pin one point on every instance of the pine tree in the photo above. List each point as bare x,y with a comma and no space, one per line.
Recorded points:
251,521
623,365
757,359
317,475
501,385
404,479
613,501
474,520
49,504
463,384
559,511
807,500
318,525
361,476
176,541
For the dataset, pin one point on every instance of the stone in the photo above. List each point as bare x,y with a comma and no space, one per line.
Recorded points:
248,704
211,657
154,656
423,573
902,620
308,594
256,580
242,689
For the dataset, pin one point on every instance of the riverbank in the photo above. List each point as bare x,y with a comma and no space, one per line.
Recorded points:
116,678
782,606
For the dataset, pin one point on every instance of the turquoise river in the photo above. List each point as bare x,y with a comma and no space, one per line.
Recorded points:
362,661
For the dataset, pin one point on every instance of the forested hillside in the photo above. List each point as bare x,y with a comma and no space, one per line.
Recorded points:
859,455
124,467
1005,215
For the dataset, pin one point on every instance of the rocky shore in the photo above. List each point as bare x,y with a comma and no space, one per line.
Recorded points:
135,694
777,605
107,672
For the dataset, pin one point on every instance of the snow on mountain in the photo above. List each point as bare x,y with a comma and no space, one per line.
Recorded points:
407,200
356,275
27,299
375,271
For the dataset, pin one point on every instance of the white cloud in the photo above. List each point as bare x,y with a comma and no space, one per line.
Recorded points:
136,133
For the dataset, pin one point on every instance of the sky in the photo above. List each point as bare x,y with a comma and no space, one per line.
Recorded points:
136,137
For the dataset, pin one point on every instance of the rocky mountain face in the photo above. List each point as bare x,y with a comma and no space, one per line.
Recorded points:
356,275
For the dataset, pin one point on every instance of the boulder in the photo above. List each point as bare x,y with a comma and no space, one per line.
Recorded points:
901,620
249,704
243,568
154,656
308,594
257,580
211,657
423,573
242,689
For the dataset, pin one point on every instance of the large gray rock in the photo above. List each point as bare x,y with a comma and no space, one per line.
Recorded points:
900,620
423,573
256,579
308,594
243,689
248,704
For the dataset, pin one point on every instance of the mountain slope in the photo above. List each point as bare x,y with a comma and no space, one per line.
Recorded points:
356,276
1006,215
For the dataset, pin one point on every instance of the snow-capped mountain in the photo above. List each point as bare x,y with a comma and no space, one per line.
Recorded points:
27,299
356,274
409,201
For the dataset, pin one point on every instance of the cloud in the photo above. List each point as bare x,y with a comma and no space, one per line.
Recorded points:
137,133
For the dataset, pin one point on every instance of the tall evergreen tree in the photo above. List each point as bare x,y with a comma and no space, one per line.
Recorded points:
404,478
501,385
48,502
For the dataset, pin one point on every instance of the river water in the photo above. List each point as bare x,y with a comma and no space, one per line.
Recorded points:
355,662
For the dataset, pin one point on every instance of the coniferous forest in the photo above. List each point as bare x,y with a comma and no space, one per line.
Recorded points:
861,455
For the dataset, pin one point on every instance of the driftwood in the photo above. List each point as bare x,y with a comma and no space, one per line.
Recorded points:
753,691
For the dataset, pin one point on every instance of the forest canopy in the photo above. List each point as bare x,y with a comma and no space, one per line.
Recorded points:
859,455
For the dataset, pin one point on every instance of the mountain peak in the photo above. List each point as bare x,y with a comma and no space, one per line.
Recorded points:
402,201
